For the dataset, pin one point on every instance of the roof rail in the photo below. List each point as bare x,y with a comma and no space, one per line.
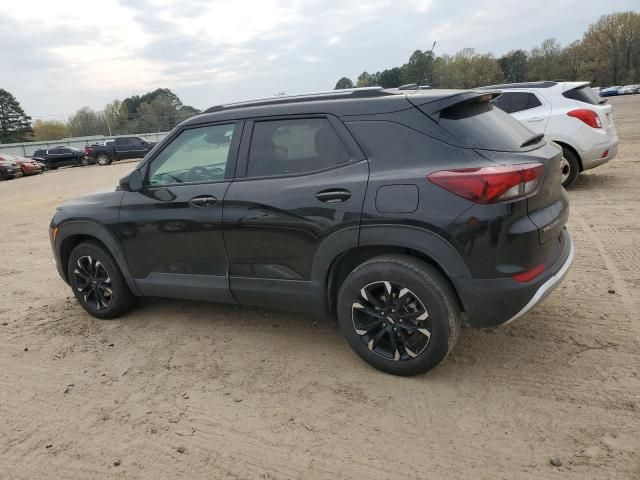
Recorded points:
363,92
541,84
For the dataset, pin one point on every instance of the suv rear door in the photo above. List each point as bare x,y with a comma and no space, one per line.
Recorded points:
299,190
529,108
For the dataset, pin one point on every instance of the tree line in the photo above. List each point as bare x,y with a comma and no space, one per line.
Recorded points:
608,54
156,111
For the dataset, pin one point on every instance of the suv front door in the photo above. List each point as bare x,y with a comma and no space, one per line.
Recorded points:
171,230
298,193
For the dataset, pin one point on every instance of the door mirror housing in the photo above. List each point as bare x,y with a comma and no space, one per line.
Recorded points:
131,182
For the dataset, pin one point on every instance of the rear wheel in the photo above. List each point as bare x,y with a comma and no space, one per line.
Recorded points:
398,314
84,162
97,282
569,166
103,159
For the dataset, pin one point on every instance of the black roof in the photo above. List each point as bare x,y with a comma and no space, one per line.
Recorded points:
545,84
358,101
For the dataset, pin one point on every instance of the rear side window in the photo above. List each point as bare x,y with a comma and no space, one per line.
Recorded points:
584,94
123,141
284,147
512,102
481,125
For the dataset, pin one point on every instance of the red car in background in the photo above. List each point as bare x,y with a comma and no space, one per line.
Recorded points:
27,165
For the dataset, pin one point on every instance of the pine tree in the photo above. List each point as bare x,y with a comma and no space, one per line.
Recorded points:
15,125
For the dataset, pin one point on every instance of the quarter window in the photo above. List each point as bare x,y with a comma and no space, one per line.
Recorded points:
512,102
284,147
195,155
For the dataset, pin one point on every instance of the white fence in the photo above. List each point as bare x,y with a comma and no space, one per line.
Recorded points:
26,149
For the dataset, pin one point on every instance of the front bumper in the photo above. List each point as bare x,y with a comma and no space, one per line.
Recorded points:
492,302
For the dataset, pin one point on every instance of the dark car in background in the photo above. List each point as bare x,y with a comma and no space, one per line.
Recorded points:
610,91
9,169
405,213
119,148
27,165
60,156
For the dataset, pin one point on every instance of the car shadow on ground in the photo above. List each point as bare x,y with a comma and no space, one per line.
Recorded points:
593,181
519,347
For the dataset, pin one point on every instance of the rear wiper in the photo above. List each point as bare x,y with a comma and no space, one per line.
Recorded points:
530,141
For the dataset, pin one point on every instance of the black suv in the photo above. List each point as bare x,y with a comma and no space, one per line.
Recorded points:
404,212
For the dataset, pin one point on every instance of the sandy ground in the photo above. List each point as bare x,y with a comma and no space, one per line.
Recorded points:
191,390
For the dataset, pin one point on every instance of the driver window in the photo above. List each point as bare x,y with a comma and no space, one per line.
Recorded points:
196,155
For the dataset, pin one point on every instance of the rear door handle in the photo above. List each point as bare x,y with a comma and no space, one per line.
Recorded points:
535,119
333,195
204,201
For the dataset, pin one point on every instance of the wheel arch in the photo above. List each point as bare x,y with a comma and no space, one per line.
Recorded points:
405,240
572,150
74,233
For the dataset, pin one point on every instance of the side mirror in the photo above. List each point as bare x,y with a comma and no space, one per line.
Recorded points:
132,182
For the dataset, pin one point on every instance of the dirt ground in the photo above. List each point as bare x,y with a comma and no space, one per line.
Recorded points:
191,390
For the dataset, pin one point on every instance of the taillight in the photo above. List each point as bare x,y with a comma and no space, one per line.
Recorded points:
490,184
587,116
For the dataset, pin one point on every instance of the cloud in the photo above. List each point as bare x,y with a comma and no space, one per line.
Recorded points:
58,56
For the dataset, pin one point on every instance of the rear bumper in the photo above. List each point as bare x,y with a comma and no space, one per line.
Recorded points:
492,302
549,286
594,156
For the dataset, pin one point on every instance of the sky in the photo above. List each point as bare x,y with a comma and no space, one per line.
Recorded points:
58,56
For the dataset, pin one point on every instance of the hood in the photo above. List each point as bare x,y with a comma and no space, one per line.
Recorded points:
97,197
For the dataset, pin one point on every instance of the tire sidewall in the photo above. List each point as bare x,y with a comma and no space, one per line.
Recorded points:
430,294
121,297
102,160
574,165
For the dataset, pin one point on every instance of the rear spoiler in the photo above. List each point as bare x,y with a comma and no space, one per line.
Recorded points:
433,108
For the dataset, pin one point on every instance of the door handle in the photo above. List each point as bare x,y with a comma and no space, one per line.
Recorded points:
204,201
535,119
333,195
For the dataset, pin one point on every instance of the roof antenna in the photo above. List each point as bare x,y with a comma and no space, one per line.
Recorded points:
425,69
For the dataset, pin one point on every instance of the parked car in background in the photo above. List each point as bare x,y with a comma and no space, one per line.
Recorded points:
60,156
27,165
9,169
610,91
629,90
568,113
401,211
119,148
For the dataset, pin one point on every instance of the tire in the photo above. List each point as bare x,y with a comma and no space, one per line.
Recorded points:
386,345
103,159
83,162
570,167
91,266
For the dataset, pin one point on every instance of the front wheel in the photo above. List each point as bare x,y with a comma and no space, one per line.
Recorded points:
97,282
83,162
569,167
399,314
103,159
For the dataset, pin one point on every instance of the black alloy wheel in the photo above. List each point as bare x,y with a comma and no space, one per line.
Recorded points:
92,280
391,321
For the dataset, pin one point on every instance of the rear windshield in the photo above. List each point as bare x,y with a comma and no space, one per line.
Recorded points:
481,125
584,94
